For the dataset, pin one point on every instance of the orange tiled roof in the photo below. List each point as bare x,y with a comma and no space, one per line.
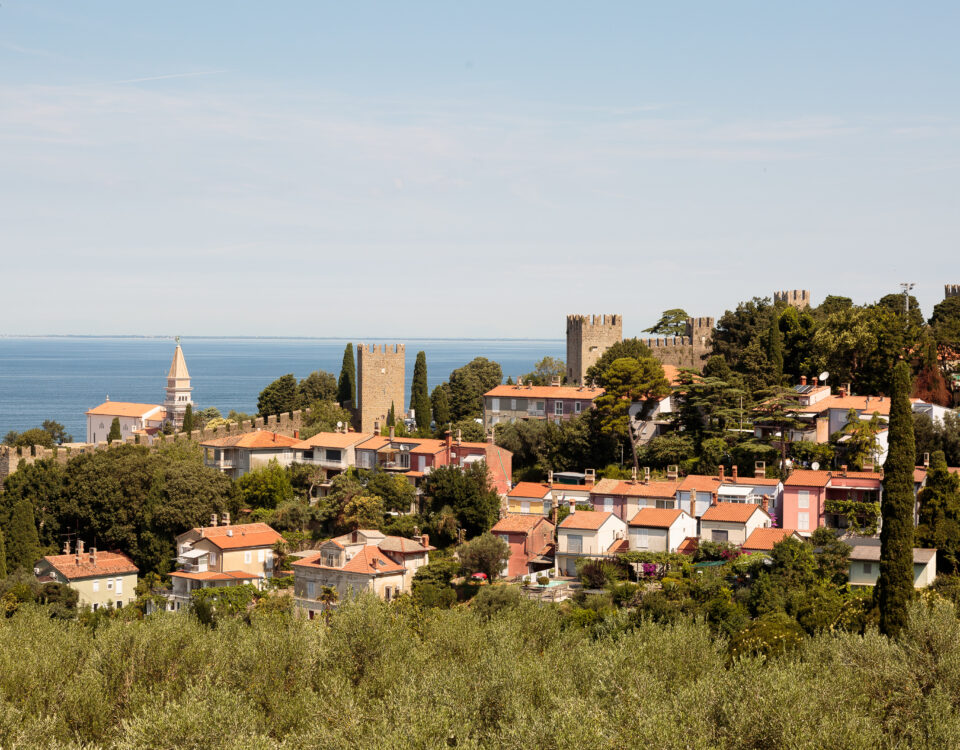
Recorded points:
620,545
879,404
261,439
731,512
672,374
656,518
108,563
212,575
688,546
516,523
700,483
367,561
545,391
764,539
334,440
590,520
536,490
244,535
126,409
636,489
808,478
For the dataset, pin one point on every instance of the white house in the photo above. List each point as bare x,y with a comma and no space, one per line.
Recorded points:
732,522
588,534
660,529
135,419
865,564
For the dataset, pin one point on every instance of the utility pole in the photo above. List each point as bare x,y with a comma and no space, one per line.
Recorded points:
906,286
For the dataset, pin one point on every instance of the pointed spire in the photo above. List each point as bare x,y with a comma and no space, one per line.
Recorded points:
178,366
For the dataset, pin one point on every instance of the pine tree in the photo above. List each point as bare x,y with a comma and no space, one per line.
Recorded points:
419,395
939,518
441,406
347,384
188,420
895,584
114,433
23,543
3,557
775,349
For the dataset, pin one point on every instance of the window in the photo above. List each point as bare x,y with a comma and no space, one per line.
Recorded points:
109,584
608,505
494,404
96,586
668,504
525,506
119,586
576,407
558,407
261,555
868,568
247,557
269,558
334,454
574,543
643,540
803,521
311,590
513,404
803,499
213,558
386,593
719,536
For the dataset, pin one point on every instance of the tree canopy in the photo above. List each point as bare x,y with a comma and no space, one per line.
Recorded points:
673,322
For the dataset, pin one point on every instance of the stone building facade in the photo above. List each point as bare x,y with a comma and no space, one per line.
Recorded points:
380,384
798,298
588,337
688,350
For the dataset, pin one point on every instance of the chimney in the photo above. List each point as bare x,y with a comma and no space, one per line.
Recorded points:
296,434
93,555
274,436
843,470
425,540
765,503
66,547
803,380
673,471
376,427
693,503
713,499
722,478
816,382
550,477
926,460
646,475
448,438
519,383
354,536
391,432
848,389
229,532
759,469
213,519
79,548
633,475
734,471
459,436
843,392
226,519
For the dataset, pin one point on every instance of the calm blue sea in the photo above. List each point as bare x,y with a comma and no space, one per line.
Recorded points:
60,377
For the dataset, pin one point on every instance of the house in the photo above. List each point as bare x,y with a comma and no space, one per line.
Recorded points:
732,522
624,498
349,569
812,499
144,420
697,492
763,539
237,455
412,554
652,417
332,452
224,555
530,538
660,529
588,534
865,564
512,403
530,497
101,579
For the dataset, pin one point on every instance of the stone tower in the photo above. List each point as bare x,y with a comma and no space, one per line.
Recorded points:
798,298
588,337
178,388
951,290
380,384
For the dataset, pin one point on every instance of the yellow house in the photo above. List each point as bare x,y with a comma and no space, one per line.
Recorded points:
102,579
224,555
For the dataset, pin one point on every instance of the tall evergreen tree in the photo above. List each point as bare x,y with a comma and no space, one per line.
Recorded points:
187,420
392,415
419,395
939,521
3,557
775,349
114,433
347,384
895,584
279,397
440,400
23,543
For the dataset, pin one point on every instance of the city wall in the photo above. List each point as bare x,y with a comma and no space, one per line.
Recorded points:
12,458
684,351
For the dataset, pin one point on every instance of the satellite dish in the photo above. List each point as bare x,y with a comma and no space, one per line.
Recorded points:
339,424
823,376
815,466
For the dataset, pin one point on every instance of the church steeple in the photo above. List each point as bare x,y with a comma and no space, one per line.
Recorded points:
178,388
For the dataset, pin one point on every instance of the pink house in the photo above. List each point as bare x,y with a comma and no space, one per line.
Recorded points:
807,494
530,538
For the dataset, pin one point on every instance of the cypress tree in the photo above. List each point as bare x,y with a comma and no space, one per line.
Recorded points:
23,544
114,430
939,517
775,349
419,396
188,420
441,406
895,584
347,384
3,557
391,415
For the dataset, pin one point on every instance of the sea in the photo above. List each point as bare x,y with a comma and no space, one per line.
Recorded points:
61,377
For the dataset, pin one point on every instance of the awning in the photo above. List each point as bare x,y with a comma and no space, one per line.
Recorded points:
735,491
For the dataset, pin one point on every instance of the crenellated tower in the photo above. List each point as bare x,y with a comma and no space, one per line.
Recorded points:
588,337
380,384
798,298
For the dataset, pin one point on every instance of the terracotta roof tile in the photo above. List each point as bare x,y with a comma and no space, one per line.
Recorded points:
764,539
517,523
656,518
212,575
688,546
731,512
636,489
620,545
535,490
243,535
127,409
807,478
259,439
108,563
700,483
334,440
545,391
590,520
367,561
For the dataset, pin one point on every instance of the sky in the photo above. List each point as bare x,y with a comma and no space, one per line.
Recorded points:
466,169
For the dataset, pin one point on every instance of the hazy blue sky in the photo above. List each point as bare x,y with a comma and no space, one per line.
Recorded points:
476,169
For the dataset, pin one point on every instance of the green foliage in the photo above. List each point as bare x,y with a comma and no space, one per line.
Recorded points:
484,554
396,491
775,349
939,517
493,600
628,348
440,404
546,371
317,386
324,416
22,540
860,444
3,555
469,430
419,395
945,322
467,494
266,487
540,446
933,436
862,516
673,322
114,433
627,380
280,397
895,582
363,512
833,555
347,383
187,420
596,574
466,386
769,636
35,436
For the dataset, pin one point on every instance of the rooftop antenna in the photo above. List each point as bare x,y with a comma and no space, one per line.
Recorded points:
906,286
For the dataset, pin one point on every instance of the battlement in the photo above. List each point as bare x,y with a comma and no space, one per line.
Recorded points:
380,384
951,290
588,337
594,321
385,349
699,325
798,298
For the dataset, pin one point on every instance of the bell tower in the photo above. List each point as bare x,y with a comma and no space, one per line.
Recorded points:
178,388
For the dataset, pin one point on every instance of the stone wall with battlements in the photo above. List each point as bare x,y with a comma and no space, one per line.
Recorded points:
283,424
380,384
685,351
951,290
798,298
588,337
